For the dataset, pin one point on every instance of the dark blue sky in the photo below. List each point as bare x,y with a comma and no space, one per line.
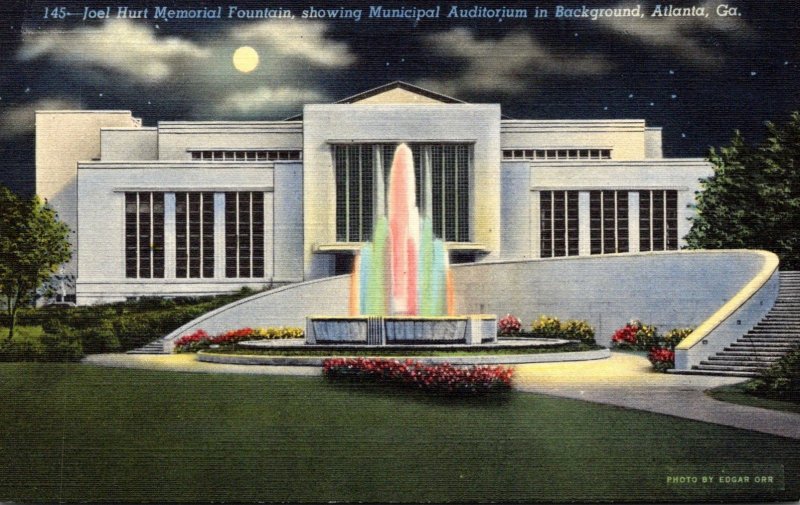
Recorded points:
697,77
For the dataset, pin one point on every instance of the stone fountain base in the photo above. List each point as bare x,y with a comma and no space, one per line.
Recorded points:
402,330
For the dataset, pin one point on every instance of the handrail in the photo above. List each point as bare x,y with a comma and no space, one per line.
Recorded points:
731,306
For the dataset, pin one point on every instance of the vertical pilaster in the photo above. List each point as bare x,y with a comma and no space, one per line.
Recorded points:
269,235
219,235
633,221
169,235
584,224
535,226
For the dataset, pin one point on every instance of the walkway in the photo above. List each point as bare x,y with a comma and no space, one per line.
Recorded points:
624,380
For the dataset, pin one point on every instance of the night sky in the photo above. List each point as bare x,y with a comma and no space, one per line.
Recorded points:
697,77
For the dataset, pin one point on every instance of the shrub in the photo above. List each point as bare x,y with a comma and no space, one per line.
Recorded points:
674,336
546,327
198,340
635,335
661,358
781,380
509,325
578,330
48,348
192,342
442,379
572,329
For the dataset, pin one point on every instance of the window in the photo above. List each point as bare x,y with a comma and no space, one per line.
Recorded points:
244,234
556,154
144,235
608,222
259,155
194,235
362,168
558,223
658,220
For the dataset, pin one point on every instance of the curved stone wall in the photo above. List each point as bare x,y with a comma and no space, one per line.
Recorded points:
667,289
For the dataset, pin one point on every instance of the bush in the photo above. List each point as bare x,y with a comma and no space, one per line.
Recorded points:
661,358
509,325
674,336
546,327
199,339
572,329
49,348
578,330
441,379
781,380
635,335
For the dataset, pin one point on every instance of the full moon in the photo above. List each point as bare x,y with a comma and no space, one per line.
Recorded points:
245,59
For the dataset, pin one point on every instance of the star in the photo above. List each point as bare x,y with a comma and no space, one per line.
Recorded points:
673,96
605,108
100,94
671,72
753,73
630,96
652,103
683,135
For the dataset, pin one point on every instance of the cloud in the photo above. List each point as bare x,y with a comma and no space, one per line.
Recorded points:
118,45
20,120
196,76
266,100
686,37
509,64
303,40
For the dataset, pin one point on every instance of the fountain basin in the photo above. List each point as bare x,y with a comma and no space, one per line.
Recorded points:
474,329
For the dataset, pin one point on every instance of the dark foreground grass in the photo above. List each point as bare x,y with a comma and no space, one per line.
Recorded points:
738,393
80,433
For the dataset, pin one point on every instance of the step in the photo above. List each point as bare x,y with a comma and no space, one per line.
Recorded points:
767,354
789,331
696,371
769,339
737,364
761,348
761,344
745,357
723,368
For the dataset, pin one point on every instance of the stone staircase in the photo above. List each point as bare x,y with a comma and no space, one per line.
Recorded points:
155,347
773,337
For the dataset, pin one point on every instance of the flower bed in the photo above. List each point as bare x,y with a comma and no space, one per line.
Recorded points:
635,336
509,325
661,358
642,337
441,379
572,329
199,339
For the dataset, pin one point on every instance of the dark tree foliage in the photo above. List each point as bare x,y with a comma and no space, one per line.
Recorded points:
33,244
753,199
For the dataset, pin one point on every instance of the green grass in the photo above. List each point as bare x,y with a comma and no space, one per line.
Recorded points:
737,393
408,351
23,333
82,433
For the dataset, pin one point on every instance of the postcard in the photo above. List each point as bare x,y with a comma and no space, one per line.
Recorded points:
383,251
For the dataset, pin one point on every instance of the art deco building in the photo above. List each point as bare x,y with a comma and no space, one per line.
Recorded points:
193,208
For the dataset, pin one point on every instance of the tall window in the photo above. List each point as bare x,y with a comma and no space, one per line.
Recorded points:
144,235
354,192
244,234
558,223
363,168
194,235
658,220
608,221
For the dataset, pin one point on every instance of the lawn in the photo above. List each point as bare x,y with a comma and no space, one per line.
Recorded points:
75,432
737,393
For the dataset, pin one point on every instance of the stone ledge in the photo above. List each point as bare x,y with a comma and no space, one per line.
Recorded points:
510,359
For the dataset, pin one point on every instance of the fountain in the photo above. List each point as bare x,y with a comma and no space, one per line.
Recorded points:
401,289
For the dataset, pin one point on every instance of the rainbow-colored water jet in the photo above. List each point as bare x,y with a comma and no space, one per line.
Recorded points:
404,269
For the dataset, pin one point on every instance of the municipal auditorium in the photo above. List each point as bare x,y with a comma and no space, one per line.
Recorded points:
205,207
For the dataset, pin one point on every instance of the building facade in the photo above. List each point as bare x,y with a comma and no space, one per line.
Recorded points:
194,208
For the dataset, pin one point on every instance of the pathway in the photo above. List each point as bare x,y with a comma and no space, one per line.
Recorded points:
624,380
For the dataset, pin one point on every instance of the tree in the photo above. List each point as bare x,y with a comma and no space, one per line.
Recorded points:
33,244
753,199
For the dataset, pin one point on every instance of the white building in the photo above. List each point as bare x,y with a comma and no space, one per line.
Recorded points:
193,208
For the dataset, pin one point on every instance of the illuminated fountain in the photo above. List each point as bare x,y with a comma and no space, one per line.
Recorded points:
401,290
